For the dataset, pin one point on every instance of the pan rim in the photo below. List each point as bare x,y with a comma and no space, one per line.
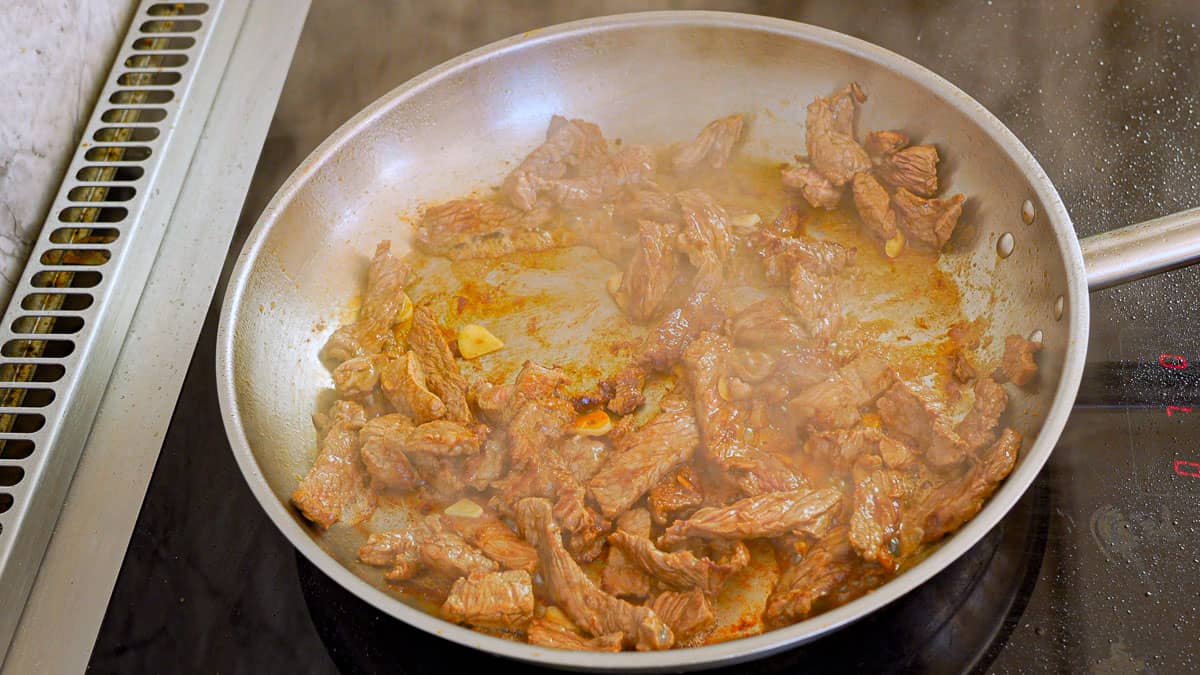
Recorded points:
732,651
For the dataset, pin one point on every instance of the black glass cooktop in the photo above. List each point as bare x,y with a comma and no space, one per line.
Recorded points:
1094,569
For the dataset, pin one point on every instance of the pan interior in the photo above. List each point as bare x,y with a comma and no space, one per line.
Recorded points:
650,81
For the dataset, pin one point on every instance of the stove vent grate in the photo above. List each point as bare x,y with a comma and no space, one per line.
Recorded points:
71,309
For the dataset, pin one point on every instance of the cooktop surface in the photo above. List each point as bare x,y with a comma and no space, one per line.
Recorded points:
1094,569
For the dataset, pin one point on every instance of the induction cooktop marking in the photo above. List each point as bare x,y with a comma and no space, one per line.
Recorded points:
1187,469
1177,408
1172,361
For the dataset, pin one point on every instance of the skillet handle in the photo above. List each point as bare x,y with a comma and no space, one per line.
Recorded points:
1142,250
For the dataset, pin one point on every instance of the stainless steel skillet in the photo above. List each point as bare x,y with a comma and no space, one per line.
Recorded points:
648,78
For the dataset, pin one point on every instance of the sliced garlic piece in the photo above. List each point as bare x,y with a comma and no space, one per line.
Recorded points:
614,283
406,309
595,423
746,221
892,247
475,340
464,508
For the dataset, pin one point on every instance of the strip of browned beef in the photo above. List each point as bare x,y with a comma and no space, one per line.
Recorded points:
642,457
336,485
595,611
372,332
766,515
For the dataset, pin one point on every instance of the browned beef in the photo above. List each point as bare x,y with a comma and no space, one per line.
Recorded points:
810,268
766,515
626,387
572,148
399,551
442,476
403,382
568,587
583,456
497,540
677,495
501,600
635,164
829,134
445,552
781,254
464,229
384,440
914,416
552,634
929,221
621,577
805,364
766,323
815,302
812,185
540,416
954,502
876,530
977,429
357,376
723,423
961,368
664,345
336,485
835,403
641,458
841,447
372,332
650,273
494,401
442,376
681,569
874,206
828,570
913,168
442,438
712,147
895,454
881,144
486,467
686,613
1017,365
705,237
647,204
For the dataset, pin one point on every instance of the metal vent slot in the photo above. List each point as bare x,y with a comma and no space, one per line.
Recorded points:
119,173
149,79
103,193
177,26
114,153
93,214
56,279
178,9
58,325
127,115
30,398
128,96
156,61
32,372
84,235
25,348
125,134
71,309
163,44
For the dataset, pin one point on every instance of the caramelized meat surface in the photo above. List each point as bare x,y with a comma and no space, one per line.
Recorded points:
703,414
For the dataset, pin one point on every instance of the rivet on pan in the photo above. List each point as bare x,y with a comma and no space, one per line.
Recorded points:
1027,212
1058,307
1036,336
1004,247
